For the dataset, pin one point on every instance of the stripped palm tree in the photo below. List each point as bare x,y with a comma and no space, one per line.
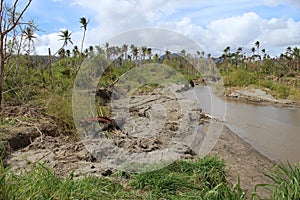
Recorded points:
84,24
66,37
29,36
257,44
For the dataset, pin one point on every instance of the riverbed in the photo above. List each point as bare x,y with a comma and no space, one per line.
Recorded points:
272,130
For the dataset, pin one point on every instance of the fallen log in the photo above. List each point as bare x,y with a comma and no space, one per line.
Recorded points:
109,124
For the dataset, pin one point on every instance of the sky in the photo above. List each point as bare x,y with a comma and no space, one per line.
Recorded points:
213,24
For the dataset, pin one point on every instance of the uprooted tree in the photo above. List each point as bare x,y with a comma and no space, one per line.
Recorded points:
10,18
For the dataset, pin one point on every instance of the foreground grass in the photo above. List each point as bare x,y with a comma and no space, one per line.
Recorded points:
286,182
184,179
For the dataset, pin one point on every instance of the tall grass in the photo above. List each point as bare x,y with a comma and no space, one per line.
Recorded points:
42,183
285,182
184,179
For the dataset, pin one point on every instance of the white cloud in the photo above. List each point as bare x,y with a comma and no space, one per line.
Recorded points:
284,34
117,16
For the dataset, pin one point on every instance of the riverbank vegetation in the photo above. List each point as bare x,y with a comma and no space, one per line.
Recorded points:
184,179
279,76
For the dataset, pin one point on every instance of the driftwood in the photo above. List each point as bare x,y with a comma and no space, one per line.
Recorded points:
109,124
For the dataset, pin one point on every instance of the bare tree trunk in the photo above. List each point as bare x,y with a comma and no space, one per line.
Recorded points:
5,28
1,69
50,63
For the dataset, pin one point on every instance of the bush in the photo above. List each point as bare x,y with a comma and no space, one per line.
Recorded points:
277,90
240,77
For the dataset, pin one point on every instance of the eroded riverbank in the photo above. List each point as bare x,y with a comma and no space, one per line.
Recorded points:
160,121
258,96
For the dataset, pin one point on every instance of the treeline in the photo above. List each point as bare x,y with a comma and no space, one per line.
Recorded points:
21,68
287,64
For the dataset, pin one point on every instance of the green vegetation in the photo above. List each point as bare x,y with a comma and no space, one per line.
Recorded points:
183,179
286,182
197,179
280,76
42,183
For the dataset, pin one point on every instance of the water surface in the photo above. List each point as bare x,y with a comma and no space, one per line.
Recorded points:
273,131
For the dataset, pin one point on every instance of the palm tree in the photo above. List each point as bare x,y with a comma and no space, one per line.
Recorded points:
264,52
124,50
239,56
84,24
62,53
106,45
253,50
75,51
91,50
149,53
66,37
227,51
68,53
29,36
134,51
240,49
144,51
296,58
182,52
257,43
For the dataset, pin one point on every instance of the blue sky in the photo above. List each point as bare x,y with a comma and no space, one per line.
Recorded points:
214,24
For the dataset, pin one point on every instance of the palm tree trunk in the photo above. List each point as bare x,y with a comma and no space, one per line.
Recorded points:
82,42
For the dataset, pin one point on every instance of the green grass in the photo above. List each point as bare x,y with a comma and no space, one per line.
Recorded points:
286,182
278,90
42,183
184,179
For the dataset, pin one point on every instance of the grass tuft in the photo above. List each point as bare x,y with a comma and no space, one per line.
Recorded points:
286,182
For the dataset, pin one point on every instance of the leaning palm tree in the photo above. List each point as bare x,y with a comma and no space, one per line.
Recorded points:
84,24
66,37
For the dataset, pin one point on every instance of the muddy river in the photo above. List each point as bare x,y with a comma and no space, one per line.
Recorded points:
273,131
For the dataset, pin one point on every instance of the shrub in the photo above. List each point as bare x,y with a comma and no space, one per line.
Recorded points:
240,77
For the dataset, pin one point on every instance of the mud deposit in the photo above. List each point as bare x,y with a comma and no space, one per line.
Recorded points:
161,126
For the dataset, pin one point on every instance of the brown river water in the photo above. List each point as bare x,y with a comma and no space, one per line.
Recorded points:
273,131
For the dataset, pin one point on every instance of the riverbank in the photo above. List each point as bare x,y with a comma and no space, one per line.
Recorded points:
257,96
67,156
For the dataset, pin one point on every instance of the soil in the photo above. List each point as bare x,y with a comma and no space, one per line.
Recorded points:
160,123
